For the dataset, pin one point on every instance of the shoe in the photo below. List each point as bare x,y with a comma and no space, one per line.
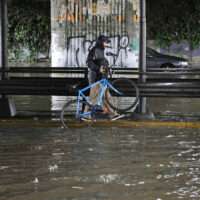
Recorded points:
116,117
86,119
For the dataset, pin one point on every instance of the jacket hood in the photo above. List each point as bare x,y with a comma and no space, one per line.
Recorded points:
102,39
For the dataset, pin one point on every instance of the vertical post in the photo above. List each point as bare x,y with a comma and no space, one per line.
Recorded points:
142,58
3,38
7,107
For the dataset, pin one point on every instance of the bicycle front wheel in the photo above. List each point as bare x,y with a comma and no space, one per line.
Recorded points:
126,98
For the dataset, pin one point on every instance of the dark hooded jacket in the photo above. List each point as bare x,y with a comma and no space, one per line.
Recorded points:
96,57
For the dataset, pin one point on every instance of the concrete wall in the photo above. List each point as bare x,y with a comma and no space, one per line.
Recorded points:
77,24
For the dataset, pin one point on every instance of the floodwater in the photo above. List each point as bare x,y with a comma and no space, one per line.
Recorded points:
168,107
99,164
95,163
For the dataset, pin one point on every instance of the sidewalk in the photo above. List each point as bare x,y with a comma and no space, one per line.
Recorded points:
46,121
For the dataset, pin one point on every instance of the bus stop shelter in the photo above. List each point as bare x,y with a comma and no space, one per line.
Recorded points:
75,25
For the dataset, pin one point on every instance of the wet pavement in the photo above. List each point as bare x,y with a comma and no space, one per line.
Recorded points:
95,163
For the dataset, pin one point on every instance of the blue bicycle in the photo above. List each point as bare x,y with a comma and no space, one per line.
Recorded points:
119,97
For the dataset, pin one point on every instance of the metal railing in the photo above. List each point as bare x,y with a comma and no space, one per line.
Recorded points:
65,81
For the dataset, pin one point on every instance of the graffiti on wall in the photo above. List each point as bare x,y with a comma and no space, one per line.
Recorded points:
81,14
78,9
79,23
77,49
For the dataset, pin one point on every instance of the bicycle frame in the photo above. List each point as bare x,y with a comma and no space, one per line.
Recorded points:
104,84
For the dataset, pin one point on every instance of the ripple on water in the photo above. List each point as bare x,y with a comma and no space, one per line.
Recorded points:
99,163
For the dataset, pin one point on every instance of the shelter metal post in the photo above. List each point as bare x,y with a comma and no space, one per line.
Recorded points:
7,107
3,37
142,58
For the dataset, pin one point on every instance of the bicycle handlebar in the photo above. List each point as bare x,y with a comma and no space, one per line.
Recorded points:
111,54
108,71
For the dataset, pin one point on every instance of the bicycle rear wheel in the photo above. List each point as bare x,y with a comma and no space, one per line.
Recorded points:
126,99
68,113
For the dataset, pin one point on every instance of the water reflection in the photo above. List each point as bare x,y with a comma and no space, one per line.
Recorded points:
170,107
95,163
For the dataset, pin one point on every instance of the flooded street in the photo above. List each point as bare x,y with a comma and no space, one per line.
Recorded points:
99,163
54,48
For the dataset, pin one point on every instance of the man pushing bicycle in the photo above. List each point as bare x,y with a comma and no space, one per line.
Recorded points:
112,100
98,68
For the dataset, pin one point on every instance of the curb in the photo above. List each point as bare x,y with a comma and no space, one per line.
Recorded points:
49,123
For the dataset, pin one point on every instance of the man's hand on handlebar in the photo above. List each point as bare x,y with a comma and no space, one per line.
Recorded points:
106,71
103,69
